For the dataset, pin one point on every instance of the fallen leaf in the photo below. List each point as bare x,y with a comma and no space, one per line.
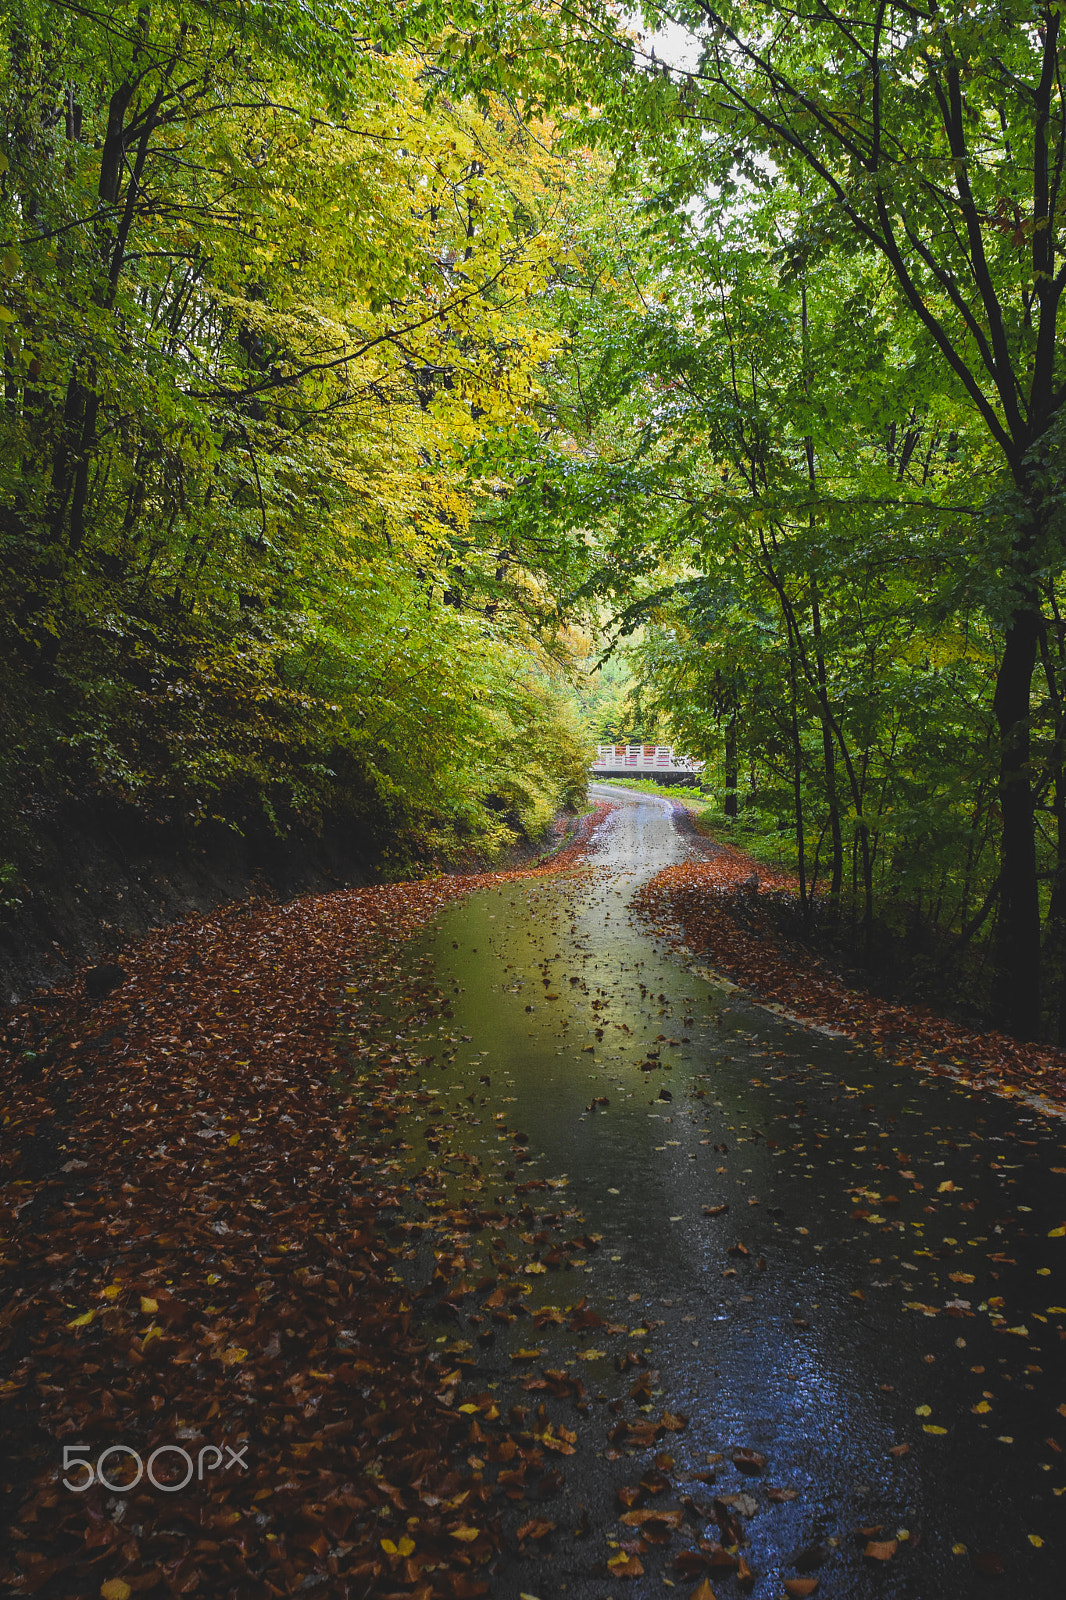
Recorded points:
535,1528
625,1566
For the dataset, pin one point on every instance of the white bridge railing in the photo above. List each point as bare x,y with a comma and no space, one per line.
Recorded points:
637,758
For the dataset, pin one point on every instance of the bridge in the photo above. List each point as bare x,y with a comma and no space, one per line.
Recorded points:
645,761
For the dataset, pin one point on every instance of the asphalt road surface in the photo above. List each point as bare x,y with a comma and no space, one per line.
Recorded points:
889,1271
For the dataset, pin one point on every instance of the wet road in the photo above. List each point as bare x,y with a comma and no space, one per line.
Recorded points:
889,1270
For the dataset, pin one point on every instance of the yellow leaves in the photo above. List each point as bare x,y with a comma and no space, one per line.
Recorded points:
83,1321
981,1408
233,1355
115,1589
932,1427
923,1411
625,1566
148,1305
464,1533
404,1546
1058,1233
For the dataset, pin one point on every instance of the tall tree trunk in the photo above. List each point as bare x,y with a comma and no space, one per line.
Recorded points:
731,763
1019,916
797,785
836,877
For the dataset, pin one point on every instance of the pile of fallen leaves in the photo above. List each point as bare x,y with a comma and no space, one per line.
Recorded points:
720,908
199,1254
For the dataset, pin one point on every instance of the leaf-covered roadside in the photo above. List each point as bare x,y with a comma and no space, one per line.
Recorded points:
719,906
196,1255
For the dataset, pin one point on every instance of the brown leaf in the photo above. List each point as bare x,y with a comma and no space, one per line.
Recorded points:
690,1563
637,1519
625,1566
535,1528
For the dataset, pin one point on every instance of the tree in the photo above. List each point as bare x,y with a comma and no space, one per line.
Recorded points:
934,136
259,303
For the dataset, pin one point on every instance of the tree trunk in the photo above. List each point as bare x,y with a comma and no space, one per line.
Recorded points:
797,787
1019,917
731,765
836,878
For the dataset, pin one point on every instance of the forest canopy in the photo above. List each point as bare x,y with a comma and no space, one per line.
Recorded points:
365,371
260,302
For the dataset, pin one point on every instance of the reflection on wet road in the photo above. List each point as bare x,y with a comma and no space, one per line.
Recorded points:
822,1258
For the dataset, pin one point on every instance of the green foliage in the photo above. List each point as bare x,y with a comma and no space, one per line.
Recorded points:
259,304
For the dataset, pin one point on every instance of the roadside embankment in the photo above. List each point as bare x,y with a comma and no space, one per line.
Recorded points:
723,907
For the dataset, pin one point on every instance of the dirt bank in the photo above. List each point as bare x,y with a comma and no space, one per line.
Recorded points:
101,881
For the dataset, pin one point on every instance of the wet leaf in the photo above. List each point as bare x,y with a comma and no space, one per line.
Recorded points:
625,1566
535,1528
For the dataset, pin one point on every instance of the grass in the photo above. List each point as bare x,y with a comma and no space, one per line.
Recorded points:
671,791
